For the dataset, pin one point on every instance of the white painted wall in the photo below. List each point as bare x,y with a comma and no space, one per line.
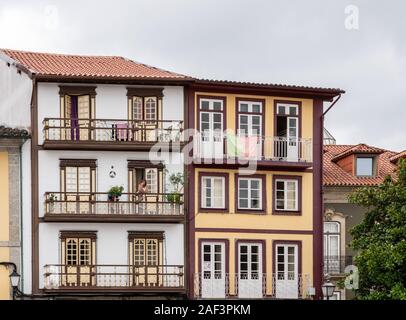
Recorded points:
26,216
111,243
49,178
15,96
111,103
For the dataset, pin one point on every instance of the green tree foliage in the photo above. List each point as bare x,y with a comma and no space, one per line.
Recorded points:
381,239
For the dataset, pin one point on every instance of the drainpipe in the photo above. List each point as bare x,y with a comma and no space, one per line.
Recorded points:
21,219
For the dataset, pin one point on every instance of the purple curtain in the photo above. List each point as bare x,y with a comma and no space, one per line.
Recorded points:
74,118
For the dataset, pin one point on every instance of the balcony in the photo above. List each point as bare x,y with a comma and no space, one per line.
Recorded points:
111,134
114,278
131,207
335,265
254,286
218,148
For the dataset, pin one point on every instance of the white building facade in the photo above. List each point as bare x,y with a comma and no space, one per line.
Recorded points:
105,215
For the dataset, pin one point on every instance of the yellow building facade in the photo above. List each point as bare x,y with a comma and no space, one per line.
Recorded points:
255,216
4,223
11,141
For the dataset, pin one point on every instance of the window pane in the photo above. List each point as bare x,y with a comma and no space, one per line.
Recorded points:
243,203
256,108
364,167
217,105
204,104
243,183
243,107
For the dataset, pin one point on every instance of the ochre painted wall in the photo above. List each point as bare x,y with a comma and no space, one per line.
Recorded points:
4,226
257,221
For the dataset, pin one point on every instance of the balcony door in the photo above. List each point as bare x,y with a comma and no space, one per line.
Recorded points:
152,201
213,277
286,273
250,273
78,259
78,116
250,129
146,259
144,115
78,184
211,128
286,144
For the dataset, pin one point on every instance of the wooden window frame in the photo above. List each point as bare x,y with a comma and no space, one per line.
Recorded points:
78,163
276,211
146,235
92,235
145,93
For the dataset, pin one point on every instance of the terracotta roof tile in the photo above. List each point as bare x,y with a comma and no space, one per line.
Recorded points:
400,155
334,175
50,64
7,132
359,148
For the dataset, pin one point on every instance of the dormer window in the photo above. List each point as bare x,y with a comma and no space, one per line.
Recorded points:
364,166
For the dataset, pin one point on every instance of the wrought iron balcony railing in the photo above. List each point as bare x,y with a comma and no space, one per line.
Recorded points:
334,265
217,145
112,130
251,286
129,204
58,276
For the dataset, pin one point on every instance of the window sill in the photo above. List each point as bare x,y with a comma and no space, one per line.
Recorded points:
287,213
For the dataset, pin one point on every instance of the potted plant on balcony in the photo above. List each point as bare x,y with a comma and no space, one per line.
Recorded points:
51,200
175,197
115,193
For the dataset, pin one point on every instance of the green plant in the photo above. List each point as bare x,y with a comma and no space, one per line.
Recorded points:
176,180
52,198
115,192
174,197
380,239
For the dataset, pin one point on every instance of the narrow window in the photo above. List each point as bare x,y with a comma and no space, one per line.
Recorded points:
286,195
213,195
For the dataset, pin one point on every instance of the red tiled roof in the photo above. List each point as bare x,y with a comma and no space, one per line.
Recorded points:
52,65
334,175
64,65
359,148
400,155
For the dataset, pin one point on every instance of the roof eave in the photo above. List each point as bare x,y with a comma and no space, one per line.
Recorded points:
324,94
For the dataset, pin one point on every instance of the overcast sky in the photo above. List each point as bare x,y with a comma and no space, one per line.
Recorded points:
290,42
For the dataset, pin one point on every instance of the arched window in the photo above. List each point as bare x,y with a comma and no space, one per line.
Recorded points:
150,108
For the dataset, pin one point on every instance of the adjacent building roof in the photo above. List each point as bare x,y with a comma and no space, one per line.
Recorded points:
334,175
7,132
66,65
359,148
400,155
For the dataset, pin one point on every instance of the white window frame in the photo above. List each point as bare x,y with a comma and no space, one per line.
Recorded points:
249,194
203,195
211,104
327,234
287,106
285,191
